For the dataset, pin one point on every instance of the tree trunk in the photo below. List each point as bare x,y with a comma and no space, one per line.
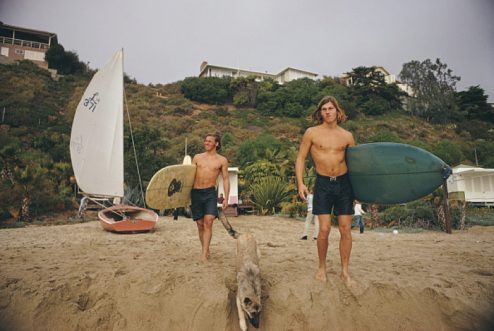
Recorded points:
446,210
6,174
24,215
463,209
375,220
441,216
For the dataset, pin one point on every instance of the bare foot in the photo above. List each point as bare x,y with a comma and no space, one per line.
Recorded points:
351,285
204,259
347,280
321,275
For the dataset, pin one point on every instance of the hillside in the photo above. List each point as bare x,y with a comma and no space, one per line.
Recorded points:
38,111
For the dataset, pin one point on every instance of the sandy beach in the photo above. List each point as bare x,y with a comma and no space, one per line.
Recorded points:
79,277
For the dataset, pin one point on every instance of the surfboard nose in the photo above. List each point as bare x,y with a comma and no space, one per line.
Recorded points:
446,171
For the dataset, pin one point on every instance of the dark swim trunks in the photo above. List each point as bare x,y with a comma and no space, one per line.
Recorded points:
204,202
332,192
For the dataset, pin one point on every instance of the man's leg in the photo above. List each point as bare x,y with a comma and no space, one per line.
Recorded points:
206,236
344,225
322,244
200,230
316,226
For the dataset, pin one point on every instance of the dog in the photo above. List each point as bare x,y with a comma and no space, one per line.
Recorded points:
248,277
249,281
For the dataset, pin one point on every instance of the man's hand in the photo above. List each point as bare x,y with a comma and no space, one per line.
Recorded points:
225,203
303,192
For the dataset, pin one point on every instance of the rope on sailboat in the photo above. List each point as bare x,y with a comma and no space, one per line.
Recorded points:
134,148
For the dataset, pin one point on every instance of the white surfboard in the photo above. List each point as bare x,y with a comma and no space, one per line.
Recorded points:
170,187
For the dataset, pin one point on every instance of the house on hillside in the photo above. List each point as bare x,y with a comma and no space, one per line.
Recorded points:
17,43
286,75
475,184
388,78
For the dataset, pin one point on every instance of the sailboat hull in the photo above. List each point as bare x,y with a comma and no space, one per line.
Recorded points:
127,219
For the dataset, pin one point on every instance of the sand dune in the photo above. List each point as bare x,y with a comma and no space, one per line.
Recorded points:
79,277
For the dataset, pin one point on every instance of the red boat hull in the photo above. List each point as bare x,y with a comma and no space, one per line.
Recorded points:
127,219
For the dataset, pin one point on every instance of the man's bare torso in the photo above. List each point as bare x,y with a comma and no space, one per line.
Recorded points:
328,146
208,169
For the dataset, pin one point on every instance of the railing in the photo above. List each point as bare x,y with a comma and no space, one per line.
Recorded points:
23,43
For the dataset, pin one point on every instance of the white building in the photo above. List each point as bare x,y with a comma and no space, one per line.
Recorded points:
17,43
477,184
284,76
388,78
233,200
233,176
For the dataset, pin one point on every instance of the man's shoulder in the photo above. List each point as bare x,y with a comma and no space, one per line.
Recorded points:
311,130
221,158
198,156
345,131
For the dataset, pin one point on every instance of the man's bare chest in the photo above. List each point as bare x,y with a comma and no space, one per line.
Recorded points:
329,144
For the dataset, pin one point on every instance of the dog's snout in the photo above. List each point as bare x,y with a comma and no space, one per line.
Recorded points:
254,320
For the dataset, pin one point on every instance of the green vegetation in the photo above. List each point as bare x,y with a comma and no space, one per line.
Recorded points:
261,124
66,63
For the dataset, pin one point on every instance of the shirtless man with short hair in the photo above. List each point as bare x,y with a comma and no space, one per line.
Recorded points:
204,196
327,143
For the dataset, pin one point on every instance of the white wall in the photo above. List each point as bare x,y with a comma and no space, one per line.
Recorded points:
233,176
34,55
478,186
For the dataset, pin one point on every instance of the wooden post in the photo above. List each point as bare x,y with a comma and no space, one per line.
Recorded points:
447,213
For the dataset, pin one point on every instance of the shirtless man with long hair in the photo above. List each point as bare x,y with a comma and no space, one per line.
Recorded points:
327,143
204,197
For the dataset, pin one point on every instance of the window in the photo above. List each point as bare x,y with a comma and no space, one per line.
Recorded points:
19,51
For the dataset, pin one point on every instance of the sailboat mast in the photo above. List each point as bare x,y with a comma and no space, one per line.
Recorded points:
133,143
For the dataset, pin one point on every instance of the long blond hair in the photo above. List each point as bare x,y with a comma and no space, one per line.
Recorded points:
340,112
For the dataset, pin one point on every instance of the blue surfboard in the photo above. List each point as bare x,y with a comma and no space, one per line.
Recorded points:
390,173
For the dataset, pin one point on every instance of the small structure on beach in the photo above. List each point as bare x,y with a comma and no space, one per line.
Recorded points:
233,196
473,184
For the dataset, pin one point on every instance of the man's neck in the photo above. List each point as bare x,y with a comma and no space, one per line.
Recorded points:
211,152
329,125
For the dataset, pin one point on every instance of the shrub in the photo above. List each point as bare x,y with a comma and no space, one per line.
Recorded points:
213,90
268,194
294,209
414,214
448,152
383,135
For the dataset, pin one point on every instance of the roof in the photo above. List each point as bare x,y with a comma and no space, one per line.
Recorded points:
295,69
18,28
255,72
466,169
233,69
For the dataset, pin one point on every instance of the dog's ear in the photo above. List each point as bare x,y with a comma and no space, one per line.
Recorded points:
247,301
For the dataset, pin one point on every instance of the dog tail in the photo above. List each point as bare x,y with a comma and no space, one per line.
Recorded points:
227,225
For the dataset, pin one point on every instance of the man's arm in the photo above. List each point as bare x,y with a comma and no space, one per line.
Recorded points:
226,182
300,164
351,141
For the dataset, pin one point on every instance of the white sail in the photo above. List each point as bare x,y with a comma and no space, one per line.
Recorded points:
96,142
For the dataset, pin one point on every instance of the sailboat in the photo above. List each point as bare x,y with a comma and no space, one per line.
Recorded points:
96,149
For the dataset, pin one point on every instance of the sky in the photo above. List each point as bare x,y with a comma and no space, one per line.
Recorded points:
165,41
